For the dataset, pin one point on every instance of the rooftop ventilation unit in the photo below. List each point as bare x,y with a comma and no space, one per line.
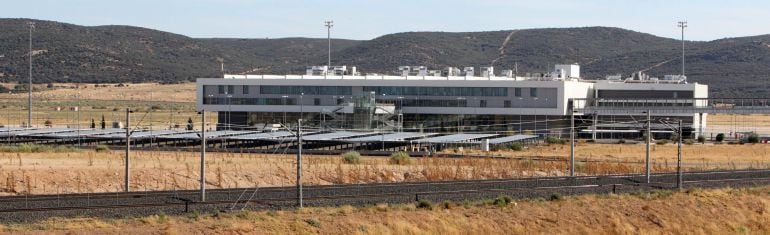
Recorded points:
488,71
468,72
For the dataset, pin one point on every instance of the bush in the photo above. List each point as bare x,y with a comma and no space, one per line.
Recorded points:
621,141
35,148
502,201
701,139
689,142
313,222
661,142
400,158
424,204
102,148
517,146
555,197
753,138
351,157
720,137
554,140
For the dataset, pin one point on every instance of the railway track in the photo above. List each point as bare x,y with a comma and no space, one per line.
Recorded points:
28,208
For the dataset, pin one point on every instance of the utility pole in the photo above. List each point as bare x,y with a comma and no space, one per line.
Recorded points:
679,158
649,139
329,25
203,156
29,88
78,107
572,143
682,24
299,163
128,148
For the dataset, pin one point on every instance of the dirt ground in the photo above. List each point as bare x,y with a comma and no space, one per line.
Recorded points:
721,211
89,171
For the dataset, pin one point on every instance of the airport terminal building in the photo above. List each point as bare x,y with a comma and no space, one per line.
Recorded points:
449,100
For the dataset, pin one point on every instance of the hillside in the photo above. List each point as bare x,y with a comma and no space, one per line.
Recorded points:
67,53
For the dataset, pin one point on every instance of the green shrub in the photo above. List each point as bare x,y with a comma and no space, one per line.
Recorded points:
313,222
554,140
689,142
720,137
621,141
424,204
102,148
400,158
753,138
517,146
701,139
502,201
36,148
556,197
351,157
661,142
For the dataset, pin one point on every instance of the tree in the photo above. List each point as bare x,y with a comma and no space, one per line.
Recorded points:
93,124
720,137
103,123
189,124
753,138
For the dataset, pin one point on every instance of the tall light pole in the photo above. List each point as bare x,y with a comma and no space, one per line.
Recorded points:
572,142
649,139
682,24
459,116
29,88
203,156
284,109
329,25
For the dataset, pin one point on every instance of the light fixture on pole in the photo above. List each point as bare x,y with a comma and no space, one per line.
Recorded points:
29,88
329,25
682,24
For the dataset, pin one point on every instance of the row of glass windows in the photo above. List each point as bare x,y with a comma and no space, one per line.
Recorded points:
307,90
381,90
438,91
249,101
317,102
532,92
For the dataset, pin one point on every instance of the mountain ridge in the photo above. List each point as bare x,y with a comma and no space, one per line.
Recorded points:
733,67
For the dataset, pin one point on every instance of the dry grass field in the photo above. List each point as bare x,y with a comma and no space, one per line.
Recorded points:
157,105
184,92
89,171
720,211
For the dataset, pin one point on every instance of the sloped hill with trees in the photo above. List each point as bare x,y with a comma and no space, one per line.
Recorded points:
67,53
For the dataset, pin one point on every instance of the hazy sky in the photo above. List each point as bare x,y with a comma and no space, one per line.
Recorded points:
708,19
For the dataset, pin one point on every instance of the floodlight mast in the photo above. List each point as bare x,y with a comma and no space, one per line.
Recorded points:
29,88
329,25
682,24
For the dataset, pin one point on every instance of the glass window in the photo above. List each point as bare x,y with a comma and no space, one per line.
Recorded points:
507,104
316,101
221,89
230,89
533,92
482,103
517,91
245,89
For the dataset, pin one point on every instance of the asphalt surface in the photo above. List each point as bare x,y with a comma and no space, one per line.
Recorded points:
120,205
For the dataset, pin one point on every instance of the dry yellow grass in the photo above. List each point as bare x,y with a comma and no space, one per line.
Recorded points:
184,92
751,119
50,173
87,171
722,211
668,152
